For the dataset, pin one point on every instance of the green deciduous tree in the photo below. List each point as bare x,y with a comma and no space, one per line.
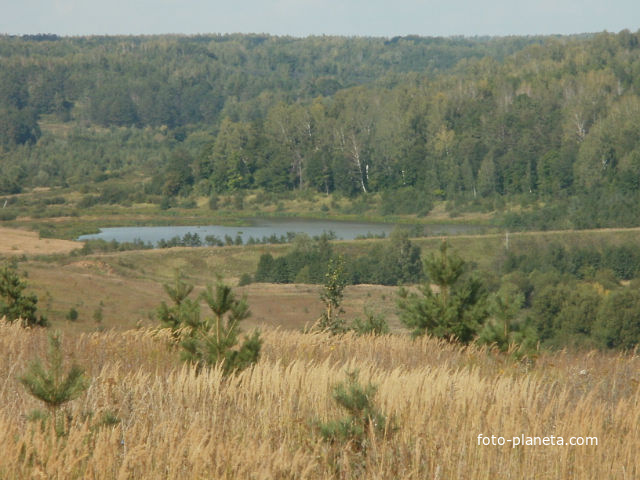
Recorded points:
618,321
331,296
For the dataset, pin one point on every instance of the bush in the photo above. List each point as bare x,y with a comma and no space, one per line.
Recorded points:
72,315
7,215
372,324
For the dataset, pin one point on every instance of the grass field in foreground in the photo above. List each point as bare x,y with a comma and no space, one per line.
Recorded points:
260,424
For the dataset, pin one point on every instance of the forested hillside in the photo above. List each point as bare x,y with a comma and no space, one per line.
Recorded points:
543,129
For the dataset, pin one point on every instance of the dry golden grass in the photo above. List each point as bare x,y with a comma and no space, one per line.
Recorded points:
14,241
127,299
175,424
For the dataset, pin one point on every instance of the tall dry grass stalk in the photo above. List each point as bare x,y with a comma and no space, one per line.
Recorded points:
260,424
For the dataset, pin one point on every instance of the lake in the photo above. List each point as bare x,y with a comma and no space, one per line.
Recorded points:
259,228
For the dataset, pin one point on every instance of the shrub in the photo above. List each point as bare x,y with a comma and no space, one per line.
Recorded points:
72,315
371,324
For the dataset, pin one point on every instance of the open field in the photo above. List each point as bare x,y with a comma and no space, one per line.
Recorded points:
261,424
127,302
176,424
14,241
127,286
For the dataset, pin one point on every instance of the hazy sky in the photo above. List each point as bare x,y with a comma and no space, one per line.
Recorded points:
316,17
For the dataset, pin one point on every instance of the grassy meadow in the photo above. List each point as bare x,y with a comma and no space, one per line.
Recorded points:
262,423
127,286
166,421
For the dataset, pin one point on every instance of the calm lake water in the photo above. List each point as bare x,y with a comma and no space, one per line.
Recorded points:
260,228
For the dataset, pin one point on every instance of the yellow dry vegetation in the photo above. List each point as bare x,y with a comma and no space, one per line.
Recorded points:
14,241
260,424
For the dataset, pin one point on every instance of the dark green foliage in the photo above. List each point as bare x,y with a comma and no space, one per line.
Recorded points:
184,311
72,315
363,421
14,303
18,127
372,324
213,350
264,272
578,261
618,320
215,340
225,114
406,200
503,330
210,341
564,313
306,254
455,311
51,384
396,261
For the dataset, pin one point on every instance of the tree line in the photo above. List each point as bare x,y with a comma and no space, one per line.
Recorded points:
549,122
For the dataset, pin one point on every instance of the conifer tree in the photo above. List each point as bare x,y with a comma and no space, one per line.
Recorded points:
14,303
457,307
214,340
184,312
363,420
504,305
51,384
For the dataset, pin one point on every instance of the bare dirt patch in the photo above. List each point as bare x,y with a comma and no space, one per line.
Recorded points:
14,241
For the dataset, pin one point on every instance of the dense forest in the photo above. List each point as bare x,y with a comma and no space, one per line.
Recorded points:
547,126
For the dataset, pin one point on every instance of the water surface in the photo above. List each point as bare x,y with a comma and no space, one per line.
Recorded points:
260,228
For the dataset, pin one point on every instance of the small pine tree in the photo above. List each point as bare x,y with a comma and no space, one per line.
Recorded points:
52,385
211,341
14,303
363,420
215,341
456,310
184,312
504,305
